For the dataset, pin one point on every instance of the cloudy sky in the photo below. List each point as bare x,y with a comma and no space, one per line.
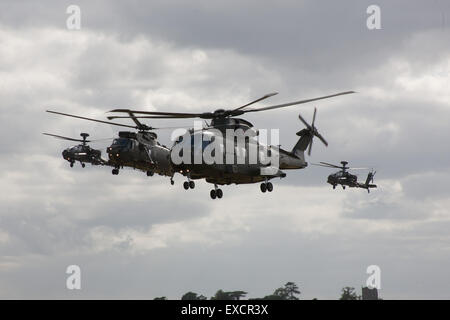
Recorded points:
139,237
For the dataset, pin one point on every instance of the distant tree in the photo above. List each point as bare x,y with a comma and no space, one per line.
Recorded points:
291,289
160,298
348,293
230,295
192,296
237,295
288,292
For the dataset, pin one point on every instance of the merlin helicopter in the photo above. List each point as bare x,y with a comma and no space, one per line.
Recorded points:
137,150
240,170
345,178
82,152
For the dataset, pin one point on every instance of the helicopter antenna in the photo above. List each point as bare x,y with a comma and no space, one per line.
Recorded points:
84,135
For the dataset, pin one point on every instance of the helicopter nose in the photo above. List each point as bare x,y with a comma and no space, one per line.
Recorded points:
114,152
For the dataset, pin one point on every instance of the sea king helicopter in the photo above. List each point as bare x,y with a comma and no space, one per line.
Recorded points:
345,178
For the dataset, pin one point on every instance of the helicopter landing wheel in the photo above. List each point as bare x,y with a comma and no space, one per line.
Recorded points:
343,187
172,182
334,187
269,186
186,185
71,164
149,173
191,184
115,172
263,187
216,193
83,165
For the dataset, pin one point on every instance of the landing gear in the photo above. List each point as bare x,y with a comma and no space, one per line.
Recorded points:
343,187
71,164
334,186
189,184
149,173
83,165
266,186
115,171
216,193
263,187
171,181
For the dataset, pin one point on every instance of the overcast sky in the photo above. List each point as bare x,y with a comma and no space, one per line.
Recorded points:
139,237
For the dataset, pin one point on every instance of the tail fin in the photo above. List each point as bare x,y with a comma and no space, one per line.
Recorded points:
302,143
369,179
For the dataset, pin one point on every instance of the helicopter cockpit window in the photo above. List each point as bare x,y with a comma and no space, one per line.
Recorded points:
76,149
121,142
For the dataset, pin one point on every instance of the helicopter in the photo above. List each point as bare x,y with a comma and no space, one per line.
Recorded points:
82,152
138,150
224,172
344,178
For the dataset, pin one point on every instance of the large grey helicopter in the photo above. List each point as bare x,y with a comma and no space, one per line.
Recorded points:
138,150
226,172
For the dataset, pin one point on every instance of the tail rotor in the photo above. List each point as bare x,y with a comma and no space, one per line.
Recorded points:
312,131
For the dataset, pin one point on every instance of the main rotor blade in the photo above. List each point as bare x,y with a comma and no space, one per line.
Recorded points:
160,114
257,100
147,117
90,119
324,165
331,165
297,102
64,138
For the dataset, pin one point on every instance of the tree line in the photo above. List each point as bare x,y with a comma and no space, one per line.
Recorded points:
290,291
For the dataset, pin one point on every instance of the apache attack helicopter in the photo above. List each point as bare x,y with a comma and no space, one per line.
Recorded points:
138,150
344,178
224,172
82,152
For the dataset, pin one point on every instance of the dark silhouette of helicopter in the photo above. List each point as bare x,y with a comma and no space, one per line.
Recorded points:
82,152
138,150
223,172
344,178
232,162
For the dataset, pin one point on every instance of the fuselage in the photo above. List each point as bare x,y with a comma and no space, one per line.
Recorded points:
83,154
226,159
